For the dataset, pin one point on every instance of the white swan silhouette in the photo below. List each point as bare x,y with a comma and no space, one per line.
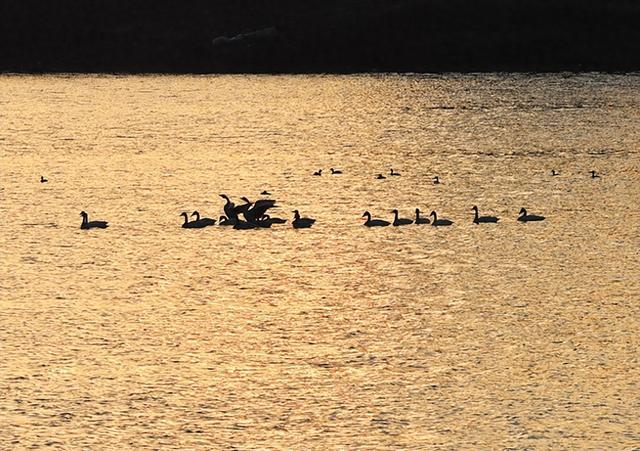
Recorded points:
439,222
420,220
483,219
374,222
204,221
86,224
400,221
301,223
524,217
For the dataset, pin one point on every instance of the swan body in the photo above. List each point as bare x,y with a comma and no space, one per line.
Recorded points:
318,172
439,222
189,224
86,224
381,177
43,180
224,221
244,225
594,175
420,220
394,173
301,223
483,219
400,221
229,208
524,217
204,222
267,218
255,212
374,222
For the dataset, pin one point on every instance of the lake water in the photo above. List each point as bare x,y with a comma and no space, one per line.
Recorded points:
147,335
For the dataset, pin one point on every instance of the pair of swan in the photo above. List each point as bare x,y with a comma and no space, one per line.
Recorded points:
198,223
333,172
391,173
86,224
405,221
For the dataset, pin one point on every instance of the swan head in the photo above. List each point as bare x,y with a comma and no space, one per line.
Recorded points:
225,197
296,214
475,207
417,211
246,200
366,214
83,214
522,211
184,214
195,213
433,213
395,211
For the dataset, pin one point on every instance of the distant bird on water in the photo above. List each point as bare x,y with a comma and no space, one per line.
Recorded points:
594,175
374,222
483,219
524,217
43,180
336,171
301,223
397,174
381,177
204,222
318,172
439,222
86,224
265,193
436,180
420,220
554,173
400,221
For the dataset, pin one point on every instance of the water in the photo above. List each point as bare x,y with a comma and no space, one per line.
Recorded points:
146,335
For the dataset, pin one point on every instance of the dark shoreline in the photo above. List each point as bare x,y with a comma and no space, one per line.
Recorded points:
319,36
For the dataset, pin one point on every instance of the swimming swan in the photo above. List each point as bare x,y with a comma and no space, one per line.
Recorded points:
318,172
436,180
439,222
394,173
483,219
400,221
301,223
594,175
86,224
374,222
43,180
224,221
336,171
420,220
381,177
229,208
524,217
190,224
204,221
554,173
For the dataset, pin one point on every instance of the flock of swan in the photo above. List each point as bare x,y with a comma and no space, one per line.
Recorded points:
253,215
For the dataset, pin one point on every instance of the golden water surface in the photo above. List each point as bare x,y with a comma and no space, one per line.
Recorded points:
146,335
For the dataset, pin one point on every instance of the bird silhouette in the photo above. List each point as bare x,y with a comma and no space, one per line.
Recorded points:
86,224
